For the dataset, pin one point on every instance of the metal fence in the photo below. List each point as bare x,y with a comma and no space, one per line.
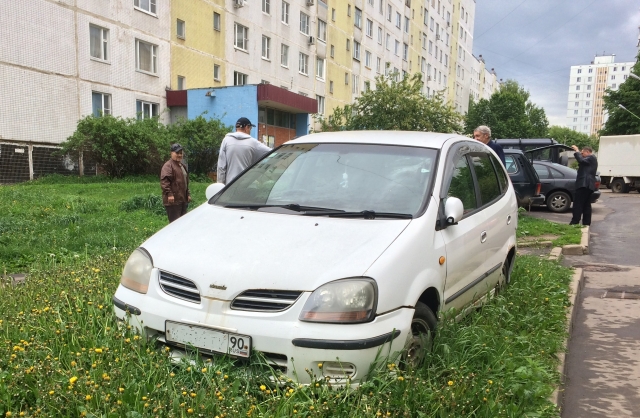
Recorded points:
21,162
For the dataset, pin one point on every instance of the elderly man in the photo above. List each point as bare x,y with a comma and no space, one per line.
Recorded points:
174,181
585,185
238,151
483,134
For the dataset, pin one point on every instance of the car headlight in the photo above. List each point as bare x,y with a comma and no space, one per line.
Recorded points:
343,301
137,271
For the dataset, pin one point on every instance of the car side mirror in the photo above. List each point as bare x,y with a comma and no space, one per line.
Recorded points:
212,189
453,210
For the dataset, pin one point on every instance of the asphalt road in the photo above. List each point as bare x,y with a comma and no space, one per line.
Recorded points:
603,359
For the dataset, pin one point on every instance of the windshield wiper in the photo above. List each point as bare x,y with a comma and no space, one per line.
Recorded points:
308,210
370,214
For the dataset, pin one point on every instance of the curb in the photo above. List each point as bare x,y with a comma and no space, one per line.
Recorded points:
577,283
581,249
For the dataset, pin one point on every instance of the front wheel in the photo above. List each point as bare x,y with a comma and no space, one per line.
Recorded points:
558,202
423,328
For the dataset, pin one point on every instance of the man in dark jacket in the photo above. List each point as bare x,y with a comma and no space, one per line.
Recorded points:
174,181
483,134
585,185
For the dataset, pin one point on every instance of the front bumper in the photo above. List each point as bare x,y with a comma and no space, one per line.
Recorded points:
296,348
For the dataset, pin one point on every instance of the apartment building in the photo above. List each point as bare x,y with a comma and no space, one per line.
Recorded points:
484,82
587,85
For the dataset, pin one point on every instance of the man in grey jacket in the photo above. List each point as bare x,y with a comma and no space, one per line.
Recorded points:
238,151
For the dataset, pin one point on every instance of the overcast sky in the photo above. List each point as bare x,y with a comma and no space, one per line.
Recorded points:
535,42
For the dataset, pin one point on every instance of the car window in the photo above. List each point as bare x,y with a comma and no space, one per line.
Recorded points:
341,176
557,174
487,179
502,178
542,171
462,184
543,154
510,164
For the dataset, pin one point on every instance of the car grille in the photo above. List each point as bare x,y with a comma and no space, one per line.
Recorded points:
265,300
179,287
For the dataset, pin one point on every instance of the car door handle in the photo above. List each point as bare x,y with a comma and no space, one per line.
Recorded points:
483,236
509,220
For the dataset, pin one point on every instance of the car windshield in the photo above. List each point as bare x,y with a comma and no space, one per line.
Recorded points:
337,177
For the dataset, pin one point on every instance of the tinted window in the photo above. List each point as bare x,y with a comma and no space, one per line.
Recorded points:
502,177
487,179
462,184
557,174
511,164
542,171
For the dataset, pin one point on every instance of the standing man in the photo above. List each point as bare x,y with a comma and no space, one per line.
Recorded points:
585,185
174,181
483,134
238,151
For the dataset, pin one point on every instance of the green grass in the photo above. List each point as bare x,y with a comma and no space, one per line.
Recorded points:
529,226
62,353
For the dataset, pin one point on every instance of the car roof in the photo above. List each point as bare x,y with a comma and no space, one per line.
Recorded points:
526,141
406,138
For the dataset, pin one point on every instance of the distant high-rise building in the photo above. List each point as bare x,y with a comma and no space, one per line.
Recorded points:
587,85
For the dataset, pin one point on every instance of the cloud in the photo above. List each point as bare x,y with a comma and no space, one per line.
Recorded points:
535,42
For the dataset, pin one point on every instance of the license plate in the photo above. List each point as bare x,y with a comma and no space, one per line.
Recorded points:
208,339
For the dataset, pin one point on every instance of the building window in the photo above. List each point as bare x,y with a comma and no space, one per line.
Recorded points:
398,20
577,88
322,30
369,28
348,44
367,86
146,57
388,42
320,68
333,50
182,83
613,77
239,79
304,23
330,86
579,70
101,103
578,79
613,86
378,64
320,100
181,29
577,104
333,14
348,10
367,59
397,48
266,47
406,24
355,84
285,13
99,42
615,68
216,72
284,55
146,110
389,12
346,79
358,18
431,47
241,40
575,119
586,111
588,87
379,35
266,6
303,63
148,6
575,112
405,52
588,95
216,21
590,70
356,50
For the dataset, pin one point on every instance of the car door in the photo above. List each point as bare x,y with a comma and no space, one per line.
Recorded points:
464,242
546,179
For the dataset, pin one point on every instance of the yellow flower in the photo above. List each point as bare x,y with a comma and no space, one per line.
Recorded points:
319,365
98,350
311,407
193,395
51,392
262,387
204,370
491,382
226,377
73,364
144,398
73,380
190,411
8,414
450,383
120,390
400,378
88,397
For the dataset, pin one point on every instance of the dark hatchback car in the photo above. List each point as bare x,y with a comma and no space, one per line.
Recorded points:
559,185
524,178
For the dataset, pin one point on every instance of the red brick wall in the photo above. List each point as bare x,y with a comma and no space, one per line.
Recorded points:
281,135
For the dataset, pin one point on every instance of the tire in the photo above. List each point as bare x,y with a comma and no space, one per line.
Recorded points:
559,202
619,186
506,277
423,328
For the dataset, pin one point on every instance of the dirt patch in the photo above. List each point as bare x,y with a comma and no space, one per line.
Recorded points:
546,237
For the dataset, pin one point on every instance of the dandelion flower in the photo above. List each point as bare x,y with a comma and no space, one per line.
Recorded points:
98,350
450,383
400,378
204,370
88,397
262,387
73,380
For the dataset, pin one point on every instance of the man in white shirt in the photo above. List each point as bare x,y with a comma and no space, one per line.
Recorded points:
238,151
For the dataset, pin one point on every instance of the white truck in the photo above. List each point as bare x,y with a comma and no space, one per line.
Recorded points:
619,162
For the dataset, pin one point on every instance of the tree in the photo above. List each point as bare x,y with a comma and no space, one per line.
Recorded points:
621,121
509,113
394,105
120,146
201,137
570,137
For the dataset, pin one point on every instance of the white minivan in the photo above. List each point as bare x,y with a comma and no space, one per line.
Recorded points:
334,250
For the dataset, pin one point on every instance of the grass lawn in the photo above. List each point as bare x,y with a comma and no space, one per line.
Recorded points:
63,355
529,226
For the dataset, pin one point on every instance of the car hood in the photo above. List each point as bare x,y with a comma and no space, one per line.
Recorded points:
235,250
